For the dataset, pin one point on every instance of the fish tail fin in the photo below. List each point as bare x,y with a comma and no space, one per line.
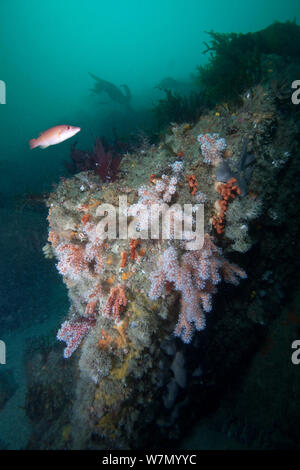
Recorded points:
94,76
33,143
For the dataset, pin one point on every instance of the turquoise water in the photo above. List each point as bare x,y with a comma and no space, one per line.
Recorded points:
48,48
46,52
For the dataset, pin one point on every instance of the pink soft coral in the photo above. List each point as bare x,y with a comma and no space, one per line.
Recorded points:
195,278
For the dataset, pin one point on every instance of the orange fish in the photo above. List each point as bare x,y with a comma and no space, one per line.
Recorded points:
53,136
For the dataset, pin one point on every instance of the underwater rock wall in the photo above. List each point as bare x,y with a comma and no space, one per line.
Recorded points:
128,296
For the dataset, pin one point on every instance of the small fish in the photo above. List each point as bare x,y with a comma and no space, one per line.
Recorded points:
53,136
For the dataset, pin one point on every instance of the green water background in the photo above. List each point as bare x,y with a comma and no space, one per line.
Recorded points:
47,49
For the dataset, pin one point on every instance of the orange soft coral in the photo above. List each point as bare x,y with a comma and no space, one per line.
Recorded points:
115,302
86,207
152,177
228,192
85,218
191,179
123,259
133,245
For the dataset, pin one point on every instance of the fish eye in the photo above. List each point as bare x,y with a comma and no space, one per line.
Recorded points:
68,127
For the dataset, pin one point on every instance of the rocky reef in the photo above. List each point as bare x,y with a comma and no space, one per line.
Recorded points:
150,319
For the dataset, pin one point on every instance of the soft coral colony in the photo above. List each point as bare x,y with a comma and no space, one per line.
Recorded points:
128,296
81,261
196,279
